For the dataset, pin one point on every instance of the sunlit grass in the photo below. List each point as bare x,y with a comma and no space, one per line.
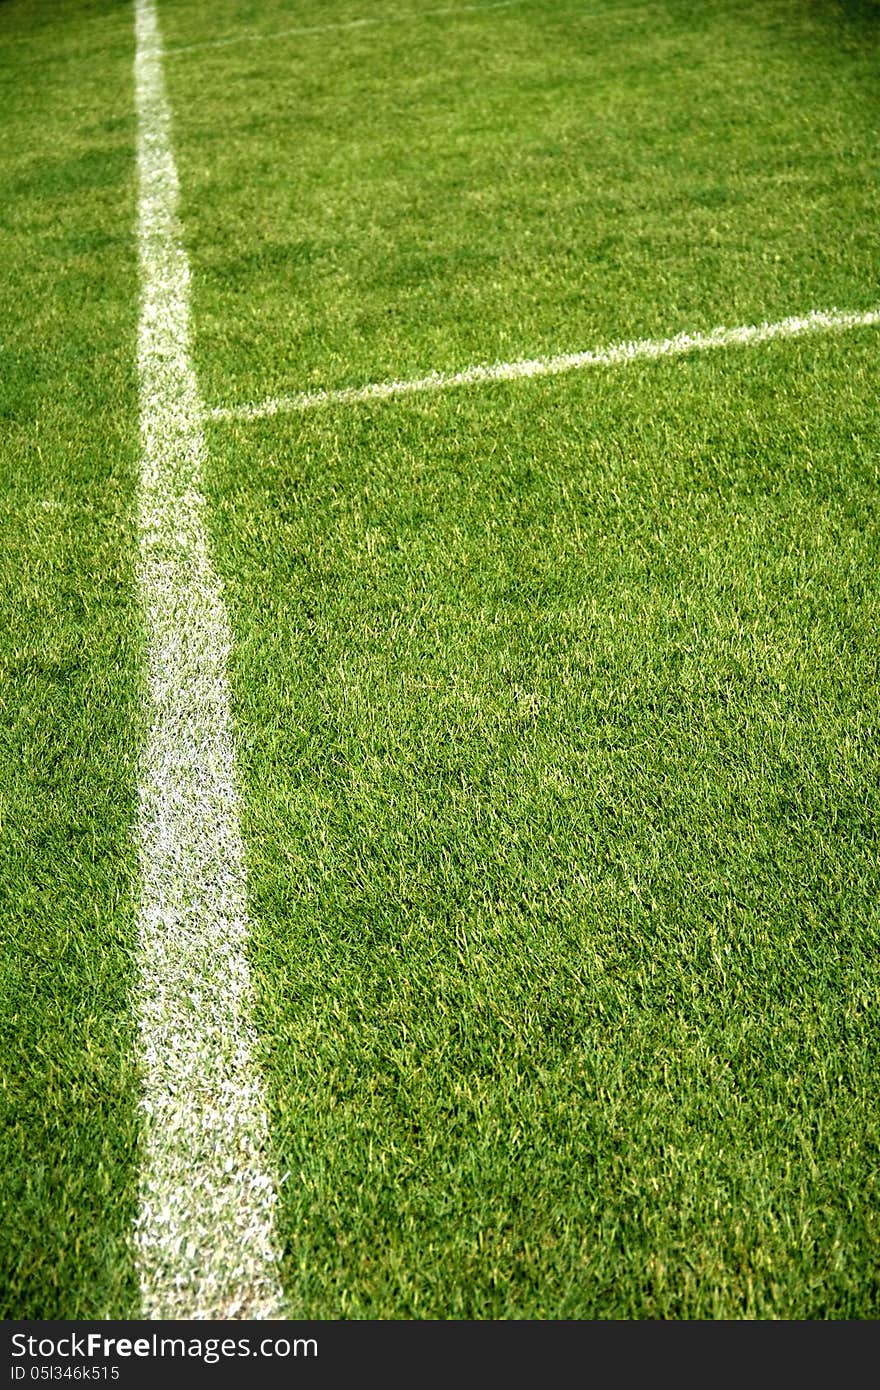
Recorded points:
556,701
68,639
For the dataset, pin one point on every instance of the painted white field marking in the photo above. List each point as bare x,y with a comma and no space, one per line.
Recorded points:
204,1232
578,16
614,355
384,22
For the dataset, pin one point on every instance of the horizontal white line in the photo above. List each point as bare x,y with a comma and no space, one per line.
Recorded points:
614,355
339,25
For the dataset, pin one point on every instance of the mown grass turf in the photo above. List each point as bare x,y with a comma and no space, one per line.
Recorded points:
557,701
67,649
427,191
558,716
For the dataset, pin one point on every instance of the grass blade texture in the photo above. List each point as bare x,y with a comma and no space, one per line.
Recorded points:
557,699
67,661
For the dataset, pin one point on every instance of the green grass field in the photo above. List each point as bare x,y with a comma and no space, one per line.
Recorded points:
69,656
556,701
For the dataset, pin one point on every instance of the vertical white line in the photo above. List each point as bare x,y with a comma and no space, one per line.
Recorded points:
204,1233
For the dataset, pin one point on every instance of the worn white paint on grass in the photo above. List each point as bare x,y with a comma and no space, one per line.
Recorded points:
370,22
204,1233
624,12
614,355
